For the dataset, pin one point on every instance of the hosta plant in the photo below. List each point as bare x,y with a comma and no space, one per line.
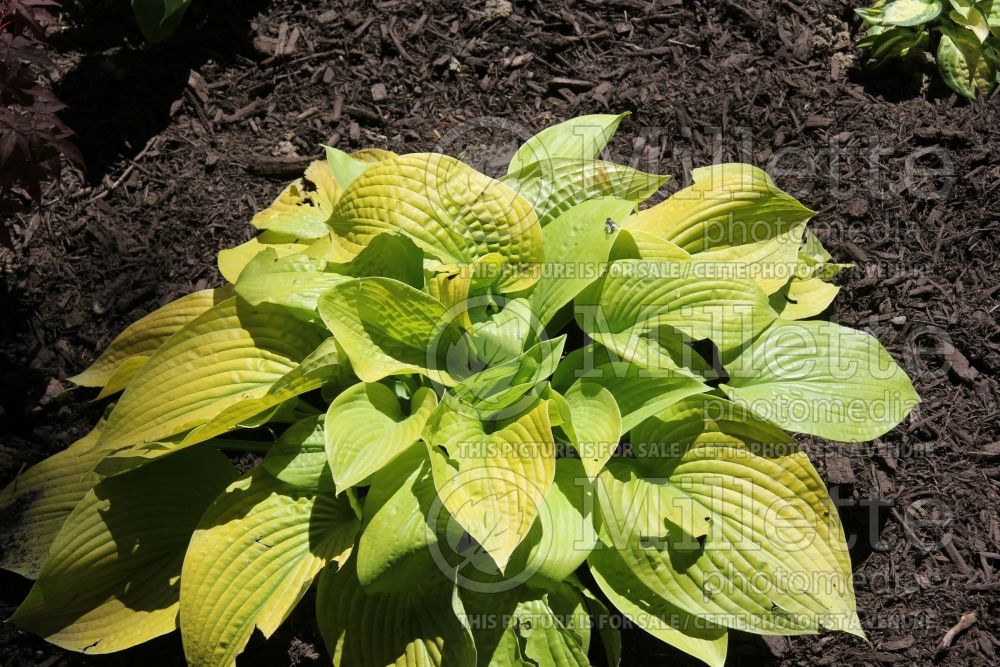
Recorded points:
158,18
482,413
964,35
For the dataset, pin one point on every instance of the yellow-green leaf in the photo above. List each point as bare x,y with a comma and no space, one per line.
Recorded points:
580,138
822,379
253,556
144,336
233,260
452,212
110,581
303,209
366,429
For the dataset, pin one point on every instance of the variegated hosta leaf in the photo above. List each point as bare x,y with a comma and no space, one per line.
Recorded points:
580,138
37,502
253,556
530,626
366,429
298,457
966,66
110,581
911,12
248,348
656,615
698,299
728,205
822,379
737,530
144,336
555,185
303,209
233,260
389,328
800,298
452,212
422,624
577,244
493,483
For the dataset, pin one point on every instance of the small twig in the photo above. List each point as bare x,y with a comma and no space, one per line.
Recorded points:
967,621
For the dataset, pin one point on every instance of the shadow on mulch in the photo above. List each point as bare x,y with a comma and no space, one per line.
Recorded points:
121,92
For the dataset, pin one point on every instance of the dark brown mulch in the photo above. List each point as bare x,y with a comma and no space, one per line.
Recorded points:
182,142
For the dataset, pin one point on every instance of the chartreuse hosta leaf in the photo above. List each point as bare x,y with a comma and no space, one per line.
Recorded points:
822,379
366,428
37,502
253,556
582,138
555,185
304,208
251,347
389,328
419,624
452,212
698,299
965,66
298,457
577,245
111,580
425,375
911,12
141,338
727,519
728,205
493,482
530,626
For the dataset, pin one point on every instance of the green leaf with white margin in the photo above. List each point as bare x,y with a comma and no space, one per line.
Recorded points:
974,21
144,336
345,168
728,205
452,212
770,521
389,328
580,138
253,556
577,245
233,260
530,626
657,616
110,581
298,457
37,501
822,379
596,424
303,209
968,69
366,428
493,483
911,12
556,185
800,299
419,625
698,299
231,352
641,392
